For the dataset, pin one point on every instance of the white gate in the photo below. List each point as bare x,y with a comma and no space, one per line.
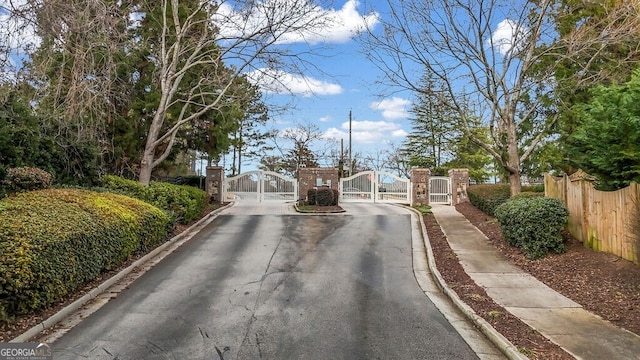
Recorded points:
440,190
260,186
375,186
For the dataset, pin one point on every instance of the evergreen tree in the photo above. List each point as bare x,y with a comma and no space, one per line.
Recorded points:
606,142
433,130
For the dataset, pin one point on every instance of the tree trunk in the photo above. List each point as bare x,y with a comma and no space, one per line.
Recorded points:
148,157
514,159
146,167
514,183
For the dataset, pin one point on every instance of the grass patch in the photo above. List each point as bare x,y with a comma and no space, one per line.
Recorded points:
423,209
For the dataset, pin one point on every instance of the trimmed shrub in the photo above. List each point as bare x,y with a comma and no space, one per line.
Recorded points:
489,196
311,196
54,241
324,196
125,186
336,196
533,224
539,188
184,203
528,194
26,179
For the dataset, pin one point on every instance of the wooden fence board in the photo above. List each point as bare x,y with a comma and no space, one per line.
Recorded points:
602,220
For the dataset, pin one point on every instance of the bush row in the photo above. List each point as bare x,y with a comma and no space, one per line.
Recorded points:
54,241
534,224
488,197
323,196
183,203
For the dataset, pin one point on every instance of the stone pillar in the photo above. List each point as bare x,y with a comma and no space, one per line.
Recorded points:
214,184
420,184
459,183
309,178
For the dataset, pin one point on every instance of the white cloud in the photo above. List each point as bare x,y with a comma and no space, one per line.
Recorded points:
394,108
399,133
315,25
280,82
367,132
507,35
325,118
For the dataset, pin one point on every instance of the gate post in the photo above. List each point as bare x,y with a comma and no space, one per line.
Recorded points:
420,187
214,184
459,183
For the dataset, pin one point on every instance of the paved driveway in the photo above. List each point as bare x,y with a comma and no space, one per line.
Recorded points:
261,282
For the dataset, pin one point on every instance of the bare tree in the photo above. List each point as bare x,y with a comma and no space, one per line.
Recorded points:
295,148
17,37
247,36
398,161
485,53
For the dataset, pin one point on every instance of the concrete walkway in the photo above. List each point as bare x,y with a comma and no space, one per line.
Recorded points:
563,321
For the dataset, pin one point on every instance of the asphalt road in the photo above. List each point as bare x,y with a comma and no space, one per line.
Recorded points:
277,286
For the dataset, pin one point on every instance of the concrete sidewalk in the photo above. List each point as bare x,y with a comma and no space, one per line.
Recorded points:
563,321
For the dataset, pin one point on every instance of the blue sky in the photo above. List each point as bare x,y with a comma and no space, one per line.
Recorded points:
344,82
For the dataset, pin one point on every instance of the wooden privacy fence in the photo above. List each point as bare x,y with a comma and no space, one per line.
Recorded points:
603,220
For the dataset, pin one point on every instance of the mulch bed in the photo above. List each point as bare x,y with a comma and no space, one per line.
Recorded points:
528,341
603,284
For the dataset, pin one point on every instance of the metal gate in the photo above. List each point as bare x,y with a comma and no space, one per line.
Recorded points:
261,186
375,186
440,190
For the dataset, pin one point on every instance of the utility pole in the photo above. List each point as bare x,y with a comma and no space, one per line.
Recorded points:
350,153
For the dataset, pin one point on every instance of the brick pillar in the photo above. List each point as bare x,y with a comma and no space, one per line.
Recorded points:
214,184
420,187
459,183
309,178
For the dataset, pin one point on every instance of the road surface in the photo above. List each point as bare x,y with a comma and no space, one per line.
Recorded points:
264,283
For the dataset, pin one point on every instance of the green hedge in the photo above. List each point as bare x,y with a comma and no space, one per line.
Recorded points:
488,197
184,203
54,241
533,224
324,196
311,196
336,196
539,188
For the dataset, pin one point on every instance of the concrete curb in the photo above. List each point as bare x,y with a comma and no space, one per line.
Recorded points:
502,343
156,254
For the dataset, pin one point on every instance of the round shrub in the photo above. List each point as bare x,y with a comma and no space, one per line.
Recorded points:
336,196
533,224
26,179
324,197
311,196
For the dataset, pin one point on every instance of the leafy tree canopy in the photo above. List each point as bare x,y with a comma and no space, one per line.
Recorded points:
606,142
